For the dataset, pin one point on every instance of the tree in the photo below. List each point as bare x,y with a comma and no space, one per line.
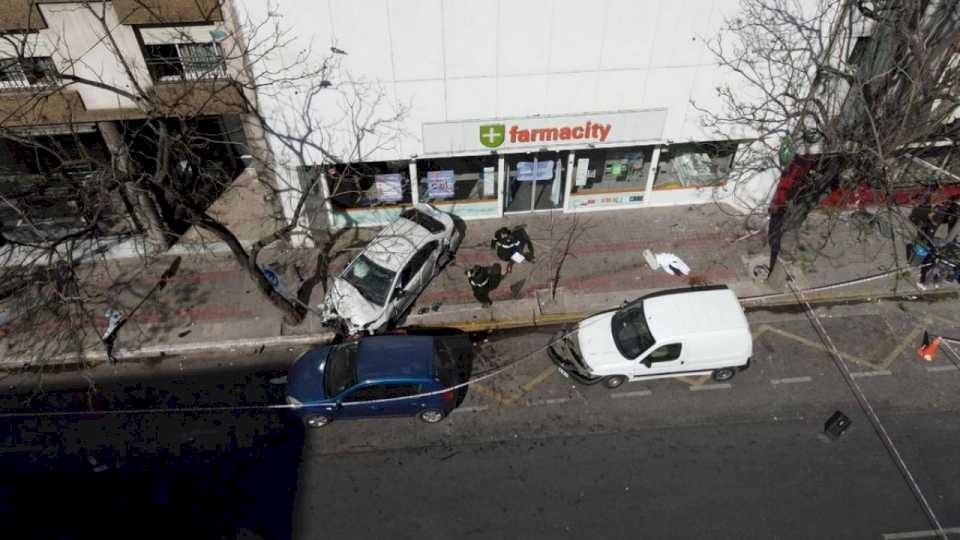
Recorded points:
191,128
840,96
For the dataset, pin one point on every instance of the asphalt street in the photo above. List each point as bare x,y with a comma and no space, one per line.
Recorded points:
527,455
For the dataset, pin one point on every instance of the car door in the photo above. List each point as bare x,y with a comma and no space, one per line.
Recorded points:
364,400
414,276
661,360
355,402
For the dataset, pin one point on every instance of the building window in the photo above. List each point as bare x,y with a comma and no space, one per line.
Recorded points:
366,185
604,171
184,61
458,179
27,72
695,165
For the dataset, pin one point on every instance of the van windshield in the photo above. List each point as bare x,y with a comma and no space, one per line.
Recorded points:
630,332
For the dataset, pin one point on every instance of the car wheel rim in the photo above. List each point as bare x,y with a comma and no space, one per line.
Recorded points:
724,375
317,421
431,416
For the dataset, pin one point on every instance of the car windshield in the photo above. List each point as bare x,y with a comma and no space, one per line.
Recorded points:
630,332
370,279
340,372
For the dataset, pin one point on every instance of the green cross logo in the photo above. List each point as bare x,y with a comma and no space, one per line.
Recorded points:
491,135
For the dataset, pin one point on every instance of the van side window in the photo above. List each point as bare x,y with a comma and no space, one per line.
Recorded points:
666,353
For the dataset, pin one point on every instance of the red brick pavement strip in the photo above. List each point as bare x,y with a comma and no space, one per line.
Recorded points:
627,280
486,256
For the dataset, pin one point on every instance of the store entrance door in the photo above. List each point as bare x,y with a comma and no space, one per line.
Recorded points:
535,182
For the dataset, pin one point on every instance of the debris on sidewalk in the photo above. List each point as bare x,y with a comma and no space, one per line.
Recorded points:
668,262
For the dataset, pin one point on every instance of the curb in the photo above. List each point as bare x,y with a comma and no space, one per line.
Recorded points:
754,303
758,303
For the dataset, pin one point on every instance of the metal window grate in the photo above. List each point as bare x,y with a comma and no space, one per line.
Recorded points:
27,72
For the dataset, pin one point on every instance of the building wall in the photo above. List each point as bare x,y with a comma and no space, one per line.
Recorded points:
466,60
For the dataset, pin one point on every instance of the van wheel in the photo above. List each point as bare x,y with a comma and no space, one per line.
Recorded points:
724,374
614,381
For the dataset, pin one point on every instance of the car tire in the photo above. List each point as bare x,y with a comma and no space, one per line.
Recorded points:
723,375
431,416
614,382
316,421
444,259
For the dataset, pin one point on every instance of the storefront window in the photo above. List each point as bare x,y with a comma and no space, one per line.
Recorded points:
620,169
694,165
365,185
458,179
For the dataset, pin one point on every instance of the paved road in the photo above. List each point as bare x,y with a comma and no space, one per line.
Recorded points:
736,480
527,455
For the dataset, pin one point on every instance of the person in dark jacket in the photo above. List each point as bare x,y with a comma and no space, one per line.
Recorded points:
481,282
510,246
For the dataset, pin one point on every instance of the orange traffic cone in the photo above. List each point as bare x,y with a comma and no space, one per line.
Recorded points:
928,350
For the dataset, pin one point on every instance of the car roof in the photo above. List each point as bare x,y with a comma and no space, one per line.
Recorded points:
679,313
395,357
396,243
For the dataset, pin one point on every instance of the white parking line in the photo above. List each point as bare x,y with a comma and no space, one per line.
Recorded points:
721,386
941,368
635,393
791,380
475,408
877,373
552,401
919,534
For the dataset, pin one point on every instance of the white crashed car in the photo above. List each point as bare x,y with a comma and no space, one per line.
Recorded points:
381,282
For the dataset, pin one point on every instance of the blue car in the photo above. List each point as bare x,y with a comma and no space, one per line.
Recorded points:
351,379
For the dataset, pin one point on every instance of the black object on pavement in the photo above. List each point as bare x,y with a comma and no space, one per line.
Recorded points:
836,425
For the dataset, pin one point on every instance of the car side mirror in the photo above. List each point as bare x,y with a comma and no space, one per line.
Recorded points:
399,292
647,362
338,404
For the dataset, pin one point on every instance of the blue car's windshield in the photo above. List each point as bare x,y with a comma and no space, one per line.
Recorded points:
340,372
370,279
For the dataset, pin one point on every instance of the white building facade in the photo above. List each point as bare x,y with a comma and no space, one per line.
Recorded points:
511,107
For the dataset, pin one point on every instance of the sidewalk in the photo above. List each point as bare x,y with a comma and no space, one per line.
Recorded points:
584,264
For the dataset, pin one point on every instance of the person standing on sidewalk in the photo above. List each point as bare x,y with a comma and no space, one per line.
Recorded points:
922,217
510,246
481,283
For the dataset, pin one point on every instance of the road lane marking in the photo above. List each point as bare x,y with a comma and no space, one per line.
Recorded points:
920,534
909,341
720,386
544,375
635,393
877,373
791,380
500,397
551,401
941,368
813,344
475,408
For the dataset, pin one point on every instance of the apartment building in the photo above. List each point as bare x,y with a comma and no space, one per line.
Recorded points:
85,87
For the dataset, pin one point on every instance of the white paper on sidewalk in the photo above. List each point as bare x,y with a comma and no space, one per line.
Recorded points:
672,264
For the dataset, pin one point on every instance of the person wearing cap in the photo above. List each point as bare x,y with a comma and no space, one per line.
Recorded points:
480,281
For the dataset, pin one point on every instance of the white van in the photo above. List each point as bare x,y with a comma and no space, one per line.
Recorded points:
693,331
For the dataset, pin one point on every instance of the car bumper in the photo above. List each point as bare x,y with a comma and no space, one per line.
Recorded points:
745,366
569,370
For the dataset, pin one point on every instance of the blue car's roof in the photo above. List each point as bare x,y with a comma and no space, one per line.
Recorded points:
395,357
